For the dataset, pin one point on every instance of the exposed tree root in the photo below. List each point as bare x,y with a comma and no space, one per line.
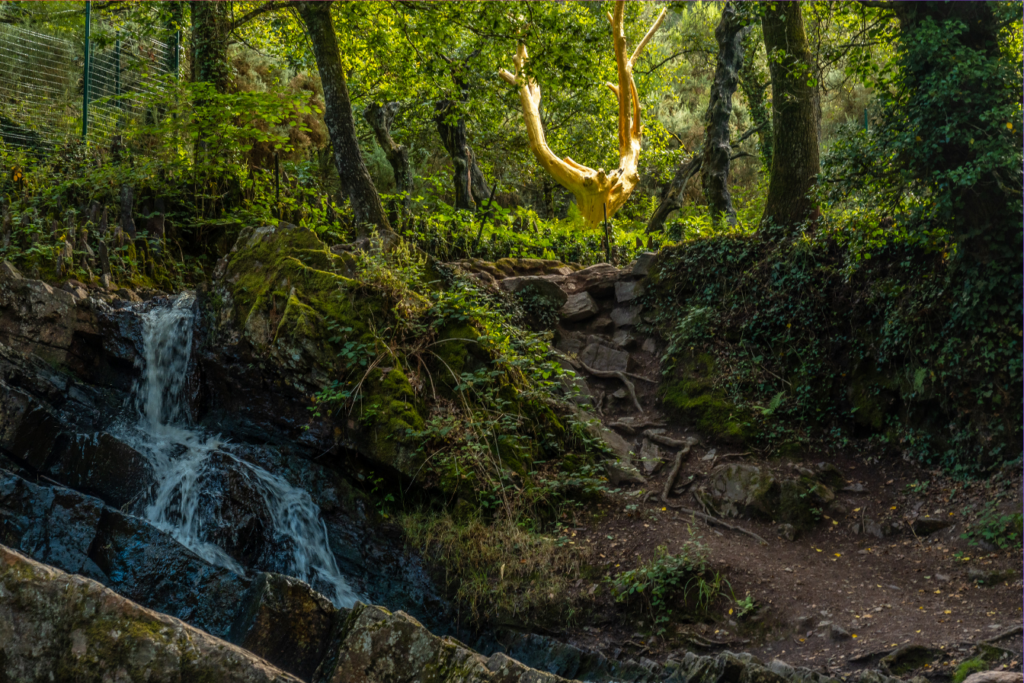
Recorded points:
608,374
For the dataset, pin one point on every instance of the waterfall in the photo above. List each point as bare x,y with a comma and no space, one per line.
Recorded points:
189,467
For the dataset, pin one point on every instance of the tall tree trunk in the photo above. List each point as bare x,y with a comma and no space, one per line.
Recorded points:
794,124
355,180
753,83
716,151
452,130
470,186
380,119
210,28
672,195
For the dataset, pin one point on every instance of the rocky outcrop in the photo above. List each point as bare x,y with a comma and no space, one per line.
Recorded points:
378,646
57,626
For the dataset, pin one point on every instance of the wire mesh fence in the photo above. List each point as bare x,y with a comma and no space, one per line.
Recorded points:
44,78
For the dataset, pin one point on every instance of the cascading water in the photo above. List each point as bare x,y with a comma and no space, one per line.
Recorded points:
185,466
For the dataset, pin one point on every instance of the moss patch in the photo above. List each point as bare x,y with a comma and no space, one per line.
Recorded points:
695,398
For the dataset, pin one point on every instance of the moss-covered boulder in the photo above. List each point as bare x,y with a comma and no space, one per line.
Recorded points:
63,627
298,307
692,395
740,490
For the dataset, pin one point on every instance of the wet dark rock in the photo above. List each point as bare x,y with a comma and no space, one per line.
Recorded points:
28,429
57,626
565,660
287,623
152,569
51,525
234,511
99,464
34,316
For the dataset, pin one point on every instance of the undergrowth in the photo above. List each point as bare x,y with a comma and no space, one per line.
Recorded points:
670,587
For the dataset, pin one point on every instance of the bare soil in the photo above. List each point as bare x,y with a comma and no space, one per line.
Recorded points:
882,592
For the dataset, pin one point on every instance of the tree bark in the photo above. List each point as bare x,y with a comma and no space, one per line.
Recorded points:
355,180
794,124
672,195
470,186
380,119
716,151
210,28
753,85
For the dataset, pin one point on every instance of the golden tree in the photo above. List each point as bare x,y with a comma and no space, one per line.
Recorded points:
595,191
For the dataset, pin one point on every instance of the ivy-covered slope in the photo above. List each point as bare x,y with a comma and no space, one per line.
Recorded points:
795,343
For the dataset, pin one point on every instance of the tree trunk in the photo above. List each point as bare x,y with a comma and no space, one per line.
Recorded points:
210,28
380,119
986,218
470,186
716,150
753,84
355,180
672,195
794,124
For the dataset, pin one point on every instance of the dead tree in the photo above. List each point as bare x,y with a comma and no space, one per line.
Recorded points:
595,190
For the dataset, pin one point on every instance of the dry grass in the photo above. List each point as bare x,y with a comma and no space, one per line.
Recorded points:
500,573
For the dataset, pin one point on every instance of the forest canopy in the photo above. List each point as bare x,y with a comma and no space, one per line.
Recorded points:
872,150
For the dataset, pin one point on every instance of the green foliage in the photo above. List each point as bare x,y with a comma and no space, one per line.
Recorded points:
670,586
843,341
968,667
1001,529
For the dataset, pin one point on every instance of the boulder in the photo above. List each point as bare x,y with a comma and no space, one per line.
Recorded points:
28,429
100,465
628,290
544,286
151,568
287,623
35,316
579,307
51,525
735,490
643,263
378,646
604,358
626,316
57,626
598,279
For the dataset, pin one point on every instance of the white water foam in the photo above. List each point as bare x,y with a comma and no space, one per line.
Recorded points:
181,459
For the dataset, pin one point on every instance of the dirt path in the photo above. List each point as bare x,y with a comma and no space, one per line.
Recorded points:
834,595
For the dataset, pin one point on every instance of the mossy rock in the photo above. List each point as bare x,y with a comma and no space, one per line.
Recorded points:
298,306
694,397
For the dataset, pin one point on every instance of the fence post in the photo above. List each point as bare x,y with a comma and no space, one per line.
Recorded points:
607,236
85,75
117,70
